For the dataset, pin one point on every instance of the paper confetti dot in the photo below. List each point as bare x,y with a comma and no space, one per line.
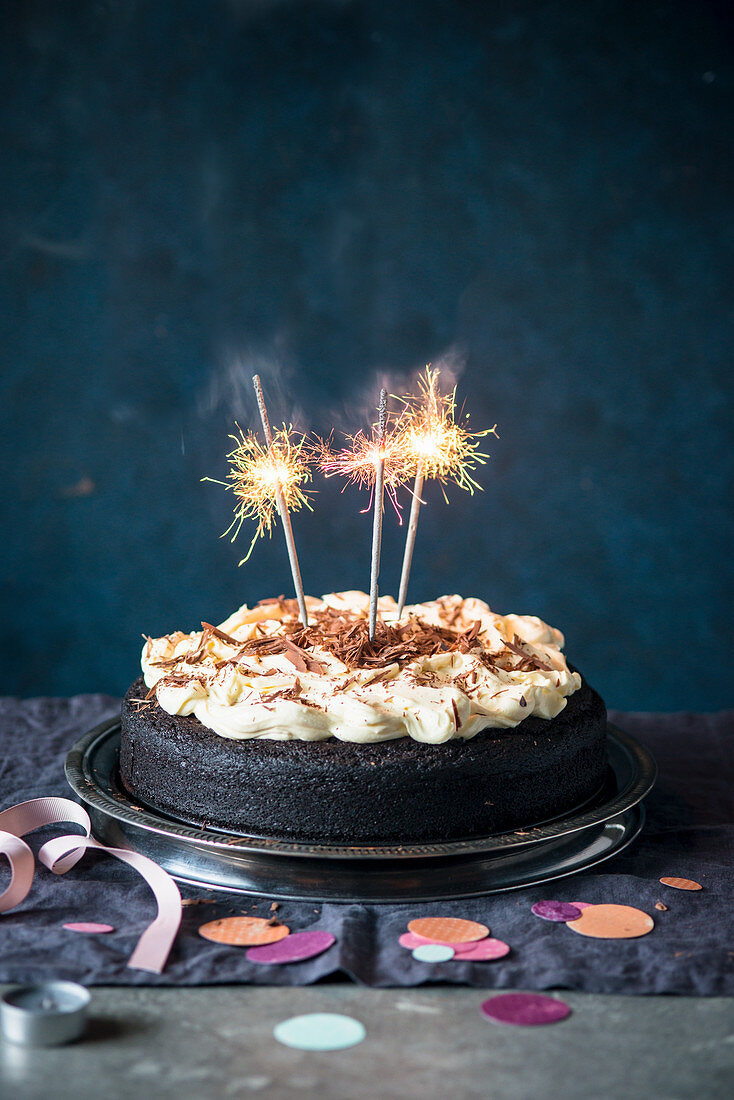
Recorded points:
447,929
320,1031
481,951
612,922
556,910
295,948
411,942
433,953
681,883
87,926
243,931
524,1009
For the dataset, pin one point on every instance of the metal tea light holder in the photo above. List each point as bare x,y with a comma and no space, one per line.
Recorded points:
45,1014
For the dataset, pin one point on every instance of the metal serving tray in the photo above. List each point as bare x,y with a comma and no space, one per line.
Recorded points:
280,868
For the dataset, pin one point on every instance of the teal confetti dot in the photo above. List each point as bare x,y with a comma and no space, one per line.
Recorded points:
433,953
320,1031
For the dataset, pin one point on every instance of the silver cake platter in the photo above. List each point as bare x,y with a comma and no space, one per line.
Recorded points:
289,870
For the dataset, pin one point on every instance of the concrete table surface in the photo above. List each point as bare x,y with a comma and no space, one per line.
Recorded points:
428,1042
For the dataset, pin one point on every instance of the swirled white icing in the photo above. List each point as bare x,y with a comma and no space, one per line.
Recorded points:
495,672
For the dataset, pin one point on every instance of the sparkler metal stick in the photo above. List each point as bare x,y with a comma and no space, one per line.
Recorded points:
282,509
377,517
410,538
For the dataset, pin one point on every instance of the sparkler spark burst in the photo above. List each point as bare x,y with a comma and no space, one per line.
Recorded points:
358,461
431,440
257,472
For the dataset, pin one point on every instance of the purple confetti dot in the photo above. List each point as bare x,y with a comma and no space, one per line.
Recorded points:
524,1009
294,948
556,910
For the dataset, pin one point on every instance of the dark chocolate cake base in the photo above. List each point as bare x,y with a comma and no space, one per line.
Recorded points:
341,792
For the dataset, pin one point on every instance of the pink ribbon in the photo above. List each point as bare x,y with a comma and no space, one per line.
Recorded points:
62,852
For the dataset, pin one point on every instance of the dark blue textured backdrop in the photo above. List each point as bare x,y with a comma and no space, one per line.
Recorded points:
324,190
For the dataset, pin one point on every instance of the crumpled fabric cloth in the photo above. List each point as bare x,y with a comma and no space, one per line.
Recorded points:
688,834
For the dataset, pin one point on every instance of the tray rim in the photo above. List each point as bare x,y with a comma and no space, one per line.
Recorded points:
623,748
620,831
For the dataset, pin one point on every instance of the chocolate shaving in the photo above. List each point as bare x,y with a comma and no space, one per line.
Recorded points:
175,679
385,674
294,655
311,663
535,662
457,720
346,637
143,704
221,635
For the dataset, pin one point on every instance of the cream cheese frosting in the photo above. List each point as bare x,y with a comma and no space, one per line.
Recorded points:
446,669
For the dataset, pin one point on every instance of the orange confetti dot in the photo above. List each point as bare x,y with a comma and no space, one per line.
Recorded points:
612,922
681,883
448,929
243,931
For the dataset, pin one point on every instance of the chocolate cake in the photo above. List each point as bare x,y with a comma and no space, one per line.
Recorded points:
265,727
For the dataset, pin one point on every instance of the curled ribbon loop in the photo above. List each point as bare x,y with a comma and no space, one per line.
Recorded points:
62,852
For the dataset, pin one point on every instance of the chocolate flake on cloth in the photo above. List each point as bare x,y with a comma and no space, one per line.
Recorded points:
681,883
612,922
688,826
556,910
524,1009
294,948
243,931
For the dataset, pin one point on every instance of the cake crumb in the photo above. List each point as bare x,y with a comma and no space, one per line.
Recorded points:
659,905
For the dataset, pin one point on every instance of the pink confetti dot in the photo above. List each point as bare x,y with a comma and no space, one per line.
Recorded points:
87,926
481,951
411,941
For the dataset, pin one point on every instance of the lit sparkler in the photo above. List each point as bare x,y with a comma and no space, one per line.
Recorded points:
380,463
266,480
437,447
287,479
